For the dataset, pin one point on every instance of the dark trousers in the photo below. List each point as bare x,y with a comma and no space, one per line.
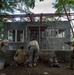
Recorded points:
33,54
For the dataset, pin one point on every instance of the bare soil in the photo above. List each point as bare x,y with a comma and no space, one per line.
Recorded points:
42,68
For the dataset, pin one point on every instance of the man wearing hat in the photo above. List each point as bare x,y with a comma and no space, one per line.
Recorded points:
3,43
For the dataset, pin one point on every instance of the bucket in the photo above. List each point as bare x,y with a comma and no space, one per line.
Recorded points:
2,64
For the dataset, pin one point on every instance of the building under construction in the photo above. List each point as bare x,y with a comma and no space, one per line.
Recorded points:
50,35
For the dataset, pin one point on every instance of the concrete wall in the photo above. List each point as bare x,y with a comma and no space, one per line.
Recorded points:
54,43
63,56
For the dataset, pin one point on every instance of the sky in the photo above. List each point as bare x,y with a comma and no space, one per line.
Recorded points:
44,6
47,7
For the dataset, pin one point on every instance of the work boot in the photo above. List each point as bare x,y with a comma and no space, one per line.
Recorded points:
30,65
34,64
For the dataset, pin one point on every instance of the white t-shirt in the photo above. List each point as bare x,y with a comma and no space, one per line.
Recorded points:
33,42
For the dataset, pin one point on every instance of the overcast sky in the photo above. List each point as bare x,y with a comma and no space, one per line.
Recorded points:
44,6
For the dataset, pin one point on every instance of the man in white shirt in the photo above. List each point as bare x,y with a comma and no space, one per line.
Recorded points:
33,50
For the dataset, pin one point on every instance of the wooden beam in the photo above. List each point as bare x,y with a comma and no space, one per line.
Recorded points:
36,15
30,17
41,17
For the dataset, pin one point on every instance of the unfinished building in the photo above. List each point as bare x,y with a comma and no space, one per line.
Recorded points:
50,35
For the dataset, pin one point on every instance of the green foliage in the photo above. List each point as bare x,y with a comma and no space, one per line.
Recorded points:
59,7
5,4
30,3
1,30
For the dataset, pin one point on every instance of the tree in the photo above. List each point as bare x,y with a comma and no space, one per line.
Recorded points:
58,5
65,6
10,5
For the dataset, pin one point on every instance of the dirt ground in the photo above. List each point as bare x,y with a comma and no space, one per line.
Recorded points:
40,69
